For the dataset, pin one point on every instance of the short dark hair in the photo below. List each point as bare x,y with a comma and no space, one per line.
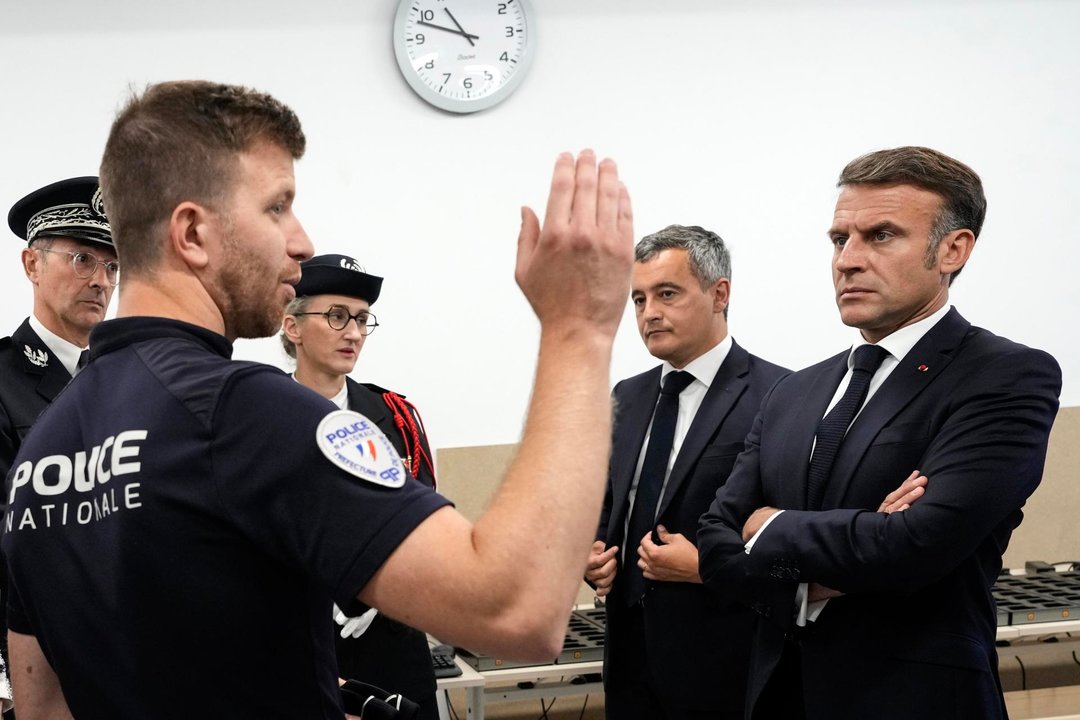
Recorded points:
179,141
963,203
705,250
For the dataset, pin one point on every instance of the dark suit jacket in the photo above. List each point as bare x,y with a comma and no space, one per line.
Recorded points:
30,377
390,655
697,642
914,635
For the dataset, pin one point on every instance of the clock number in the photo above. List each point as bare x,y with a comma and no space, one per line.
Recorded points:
430,64
446,78
488,76
427,15
467,83
419,38
504,57
502,8
509,31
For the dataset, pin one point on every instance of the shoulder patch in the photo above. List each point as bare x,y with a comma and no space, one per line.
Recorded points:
353,443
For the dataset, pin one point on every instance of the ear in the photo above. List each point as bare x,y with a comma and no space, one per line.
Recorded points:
192,229
31,262
291,328
954,250
721,295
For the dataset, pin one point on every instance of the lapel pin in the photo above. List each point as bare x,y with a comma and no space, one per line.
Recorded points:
923,368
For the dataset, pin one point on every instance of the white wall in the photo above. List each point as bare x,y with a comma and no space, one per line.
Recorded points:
732,114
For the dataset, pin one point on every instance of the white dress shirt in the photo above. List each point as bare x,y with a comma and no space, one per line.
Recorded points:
704,369
67,353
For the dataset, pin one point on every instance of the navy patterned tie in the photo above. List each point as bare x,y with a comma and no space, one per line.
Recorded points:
833,427
651,480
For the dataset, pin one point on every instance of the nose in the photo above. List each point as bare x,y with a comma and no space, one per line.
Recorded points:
650,310
298,244
850,257
352,330
99,278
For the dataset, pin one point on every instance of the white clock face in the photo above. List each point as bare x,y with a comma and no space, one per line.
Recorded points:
463,55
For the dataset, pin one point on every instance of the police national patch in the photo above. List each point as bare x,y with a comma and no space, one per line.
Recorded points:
357,446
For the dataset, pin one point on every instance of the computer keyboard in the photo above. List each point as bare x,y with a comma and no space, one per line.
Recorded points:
442,659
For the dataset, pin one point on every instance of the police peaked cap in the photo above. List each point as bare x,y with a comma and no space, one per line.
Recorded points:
69,208
337,275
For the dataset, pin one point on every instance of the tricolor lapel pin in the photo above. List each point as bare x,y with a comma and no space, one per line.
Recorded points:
923,368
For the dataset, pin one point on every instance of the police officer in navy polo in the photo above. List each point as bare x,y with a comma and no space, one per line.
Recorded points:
173,504
71,263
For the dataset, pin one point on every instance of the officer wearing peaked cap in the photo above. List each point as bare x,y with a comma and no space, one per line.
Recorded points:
324,330
70,260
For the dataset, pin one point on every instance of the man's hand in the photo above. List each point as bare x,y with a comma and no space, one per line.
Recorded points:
902,497
755,521
674,561
600,570
575,272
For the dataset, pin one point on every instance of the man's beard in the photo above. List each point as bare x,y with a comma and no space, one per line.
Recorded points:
247,288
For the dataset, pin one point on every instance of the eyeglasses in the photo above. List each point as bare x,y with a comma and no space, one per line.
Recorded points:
338,317
86,264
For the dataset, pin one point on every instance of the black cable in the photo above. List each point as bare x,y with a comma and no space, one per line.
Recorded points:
450,705
586,703
1023,673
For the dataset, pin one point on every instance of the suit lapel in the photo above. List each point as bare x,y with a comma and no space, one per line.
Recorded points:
727,385
371,406
636,400
796,429
37,359
914,373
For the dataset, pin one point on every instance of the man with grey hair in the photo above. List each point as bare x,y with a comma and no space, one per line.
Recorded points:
70,261
884,609
674,649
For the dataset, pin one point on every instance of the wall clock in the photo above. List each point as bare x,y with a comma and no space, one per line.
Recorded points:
464,55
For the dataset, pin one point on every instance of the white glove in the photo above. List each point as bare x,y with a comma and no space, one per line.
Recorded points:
353,627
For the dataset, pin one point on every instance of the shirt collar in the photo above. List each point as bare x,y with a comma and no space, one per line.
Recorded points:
705,366
899,343
66,352
341,399
111,335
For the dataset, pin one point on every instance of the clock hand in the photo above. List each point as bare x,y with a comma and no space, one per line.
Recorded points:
449,30
454,20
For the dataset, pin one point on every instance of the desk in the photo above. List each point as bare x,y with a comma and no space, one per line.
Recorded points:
553,680
501,685
1015,632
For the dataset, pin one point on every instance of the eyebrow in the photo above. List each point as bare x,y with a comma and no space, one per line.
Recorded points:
883,225
665,285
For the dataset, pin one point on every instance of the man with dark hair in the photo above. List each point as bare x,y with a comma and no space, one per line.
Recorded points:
70,261
870,608
673,649
175,504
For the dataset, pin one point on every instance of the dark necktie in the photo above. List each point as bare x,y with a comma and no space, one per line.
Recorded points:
833,427
651,480
84,357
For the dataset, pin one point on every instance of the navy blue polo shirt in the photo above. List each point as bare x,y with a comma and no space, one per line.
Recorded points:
176,534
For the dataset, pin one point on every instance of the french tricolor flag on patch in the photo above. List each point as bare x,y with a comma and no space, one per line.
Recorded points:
370,448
